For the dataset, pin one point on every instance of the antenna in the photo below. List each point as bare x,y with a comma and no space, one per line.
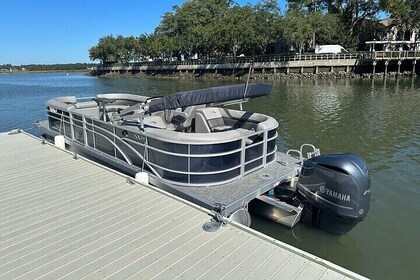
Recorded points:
247,81
249,76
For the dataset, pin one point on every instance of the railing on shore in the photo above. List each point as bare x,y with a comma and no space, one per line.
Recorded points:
234,60
377,55
361,62
395,55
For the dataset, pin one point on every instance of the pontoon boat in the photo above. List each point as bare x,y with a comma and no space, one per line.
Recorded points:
194,145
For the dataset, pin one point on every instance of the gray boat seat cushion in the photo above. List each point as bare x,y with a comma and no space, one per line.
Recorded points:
179,118
85,104
191,113
88,108
154,121
210,120
67,99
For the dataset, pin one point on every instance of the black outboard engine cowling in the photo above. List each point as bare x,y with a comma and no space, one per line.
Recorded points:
337,187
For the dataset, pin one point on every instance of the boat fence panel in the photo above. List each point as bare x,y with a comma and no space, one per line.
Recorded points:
175,162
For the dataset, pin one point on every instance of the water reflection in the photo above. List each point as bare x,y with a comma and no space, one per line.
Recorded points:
376,118
380,122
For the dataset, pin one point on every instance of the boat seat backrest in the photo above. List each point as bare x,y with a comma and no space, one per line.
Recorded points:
167,115
210,120
191,113
85,104
201,125
67,99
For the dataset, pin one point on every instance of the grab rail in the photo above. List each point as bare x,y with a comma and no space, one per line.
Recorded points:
85,129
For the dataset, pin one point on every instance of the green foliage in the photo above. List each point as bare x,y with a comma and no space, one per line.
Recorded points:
105,50
297,28
406,13
266,24
348,18
219,28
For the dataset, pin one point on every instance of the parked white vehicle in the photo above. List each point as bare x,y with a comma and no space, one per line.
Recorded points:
320,49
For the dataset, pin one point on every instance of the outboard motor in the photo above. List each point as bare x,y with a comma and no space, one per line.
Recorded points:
336,188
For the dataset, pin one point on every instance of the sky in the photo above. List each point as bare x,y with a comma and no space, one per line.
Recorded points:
62,31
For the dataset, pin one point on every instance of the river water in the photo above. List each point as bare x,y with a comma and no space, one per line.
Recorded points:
377,119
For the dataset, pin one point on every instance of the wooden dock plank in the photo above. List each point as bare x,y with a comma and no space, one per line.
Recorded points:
251,262
234,259
292,268
271,265
196,254
118,250
332,275
52,235
311,271
166,256
200,267
62,218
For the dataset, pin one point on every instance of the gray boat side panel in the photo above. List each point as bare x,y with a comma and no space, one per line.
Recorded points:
102,225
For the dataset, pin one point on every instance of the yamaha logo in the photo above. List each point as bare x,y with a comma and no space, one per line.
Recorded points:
336,195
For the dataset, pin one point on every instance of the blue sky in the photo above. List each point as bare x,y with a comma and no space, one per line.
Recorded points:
62,31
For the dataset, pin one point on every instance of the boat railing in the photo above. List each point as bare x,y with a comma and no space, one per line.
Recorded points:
183,162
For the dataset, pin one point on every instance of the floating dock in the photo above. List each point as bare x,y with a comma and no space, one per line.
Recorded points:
65,217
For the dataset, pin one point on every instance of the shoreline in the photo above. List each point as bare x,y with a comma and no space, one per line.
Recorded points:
255,76
44,71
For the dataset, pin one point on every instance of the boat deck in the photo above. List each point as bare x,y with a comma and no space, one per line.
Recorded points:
238,193
65,217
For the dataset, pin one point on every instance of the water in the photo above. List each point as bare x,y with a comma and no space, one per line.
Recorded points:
378,120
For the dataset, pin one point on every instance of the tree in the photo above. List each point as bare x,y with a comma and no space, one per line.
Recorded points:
405,13
353,15
191,26
236,29
215,28
297,28
325,28
266,25
143,46
105,50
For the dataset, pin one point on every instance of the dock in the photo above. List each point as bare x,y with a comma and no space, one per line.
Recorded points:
65,217
361,62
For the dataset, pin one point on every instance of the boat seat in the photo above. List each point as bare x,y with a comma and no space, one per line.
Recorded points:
154,122
178,120
184,119
191,113
88,108
85,104
210,120
67,99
